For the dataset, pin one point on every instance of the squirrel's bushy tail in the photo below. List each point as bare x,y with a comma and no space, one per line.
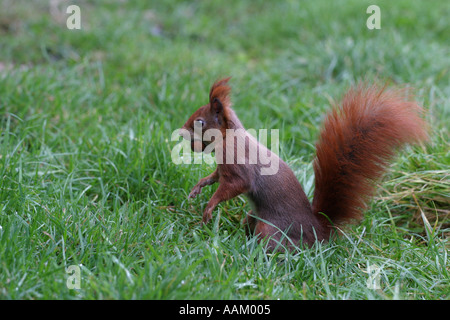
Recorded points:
355,145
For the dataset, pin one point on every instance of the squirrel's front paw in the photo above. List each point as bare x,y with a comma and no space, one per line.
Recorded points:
195,191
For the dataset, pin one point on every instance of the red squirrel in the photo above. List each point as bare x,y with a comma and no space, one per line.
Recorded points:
357,140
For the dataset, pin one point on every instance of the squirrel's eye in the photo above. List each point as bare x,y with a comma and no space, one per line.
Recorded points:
199,122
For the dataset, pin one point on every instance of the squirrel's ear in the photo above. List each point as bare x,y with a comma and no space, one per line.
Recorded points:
216,106
219,96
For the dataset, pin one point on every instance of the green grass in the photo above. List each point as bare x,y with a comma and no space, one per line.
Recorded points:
87,178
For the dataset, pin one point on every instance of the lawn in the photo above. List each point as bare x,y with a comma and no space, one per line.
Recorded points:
88,183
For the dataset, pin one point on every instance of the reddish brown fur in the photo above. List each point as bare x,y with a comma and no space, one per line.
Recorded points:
220,90
355,146
356,143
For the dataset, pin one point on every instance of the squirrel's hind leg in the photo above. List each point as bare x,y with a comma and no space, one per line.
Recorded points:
249,223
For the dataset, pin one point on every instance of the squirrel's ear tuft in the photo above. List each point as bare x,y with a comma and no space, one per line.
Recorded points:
219,95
